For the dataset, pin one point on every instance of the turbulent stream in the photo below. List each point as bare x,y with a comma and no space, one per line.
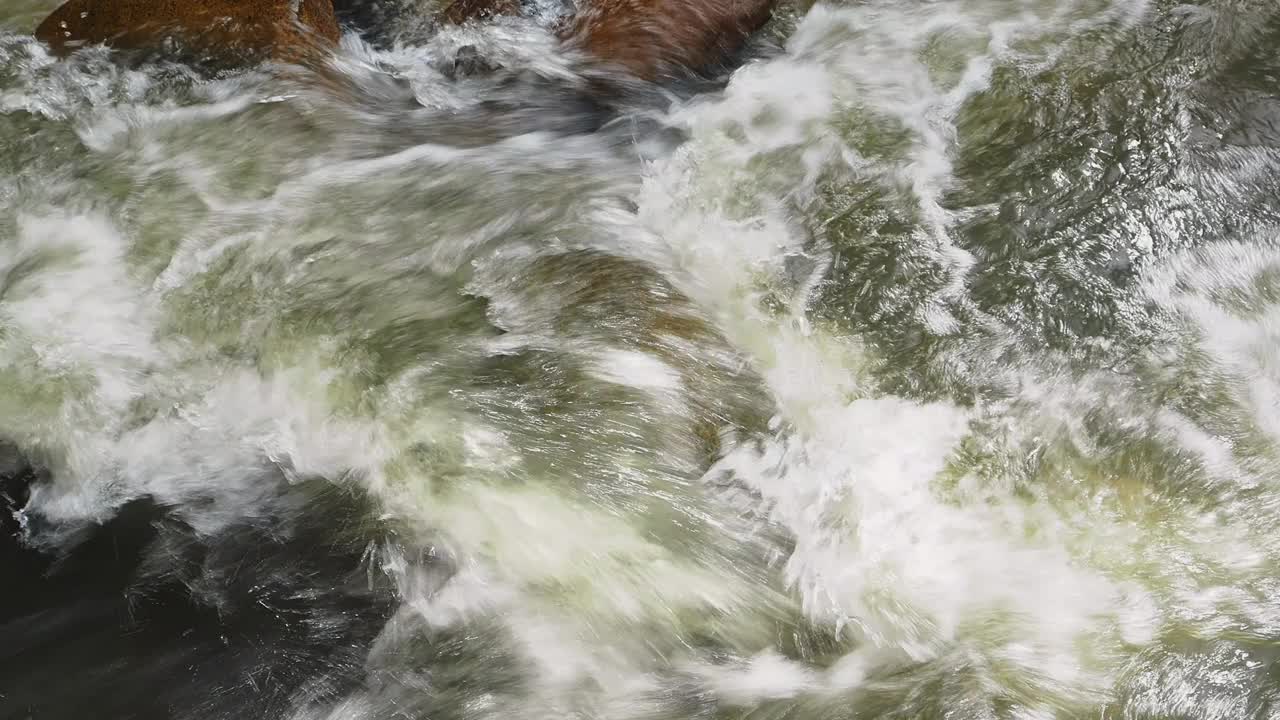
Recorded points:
927,365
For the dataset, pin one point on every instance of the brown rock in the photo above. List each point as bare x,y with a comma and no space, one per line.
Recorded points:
239,30
655,38
646,38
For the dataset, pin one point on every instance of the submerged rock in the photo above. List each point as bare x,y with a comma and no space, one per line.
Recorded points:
155,619
224,30
460,11
468,62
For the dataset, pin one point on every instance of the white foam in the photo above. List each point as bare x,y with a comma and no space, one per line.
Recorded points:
639,370
880,551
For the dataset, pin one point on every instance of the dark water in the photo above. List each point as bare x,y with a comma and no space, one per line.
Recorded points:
926,366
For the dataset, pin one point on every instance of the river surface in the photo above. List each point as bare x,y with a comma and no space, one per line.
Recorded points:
927,366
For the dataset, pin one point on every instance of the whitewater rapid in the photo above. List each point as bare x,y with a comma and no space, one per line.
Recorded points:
927,368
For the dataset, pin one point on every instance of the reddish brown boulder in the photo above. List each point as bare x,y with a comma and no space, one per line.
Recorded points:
646,38
227,29
652,39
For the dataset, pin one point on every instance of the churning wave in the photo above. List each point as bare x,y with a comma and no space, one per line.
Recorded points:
923,366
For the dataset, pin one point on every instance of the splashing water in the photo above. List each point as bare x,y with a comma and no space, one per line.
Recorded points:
926,369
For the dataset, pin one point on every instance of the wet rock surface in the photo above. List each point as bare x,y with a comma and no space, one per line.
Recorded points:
225,30
656,39
649,39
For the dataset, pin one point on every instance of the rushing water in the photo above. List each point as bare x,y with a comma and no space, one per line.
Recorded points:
927,368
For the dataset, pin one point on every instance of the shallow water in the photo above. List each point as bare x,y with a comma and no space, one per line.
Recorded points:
927,368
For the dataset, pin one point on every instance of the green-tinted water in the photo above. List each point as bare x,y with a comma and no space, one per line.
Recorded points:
935,374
